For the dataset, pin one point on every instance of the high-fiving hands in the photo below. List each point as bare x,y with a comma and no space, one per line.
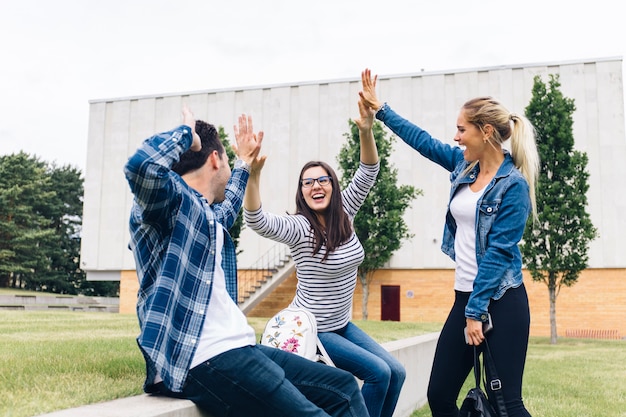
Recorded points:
368,94
249,143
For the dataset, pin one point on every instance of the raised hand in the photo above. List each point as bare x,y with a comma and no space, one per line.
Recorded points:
368,104
190,120
366,121
248,143
368,94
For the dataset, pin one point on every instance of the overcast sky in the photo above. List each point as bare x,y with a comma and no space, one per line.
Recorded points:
57,55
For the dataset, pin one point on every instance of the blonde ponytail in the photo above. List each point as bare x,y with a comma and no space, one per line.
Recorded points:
525,154
483,111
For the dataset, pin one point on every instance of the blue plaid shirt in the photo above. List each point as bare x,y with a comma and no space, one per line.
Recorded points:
172,231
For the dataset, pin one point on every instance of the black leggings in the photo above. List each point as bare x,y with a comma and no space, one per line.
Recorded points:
508,342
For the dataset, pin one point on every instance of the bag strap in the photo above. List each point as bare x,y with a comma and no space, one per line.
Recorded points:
323,355
494,381
476,367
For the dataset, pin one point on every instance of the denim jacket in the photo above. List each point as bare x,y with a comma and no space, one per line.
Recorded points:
501,213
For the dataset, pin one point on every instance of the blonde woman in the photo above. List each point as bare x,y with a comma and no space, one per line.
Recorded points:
491,197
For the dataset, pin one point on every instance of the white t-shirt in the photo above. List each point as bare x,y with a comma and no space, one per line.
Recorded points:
463,208
225,326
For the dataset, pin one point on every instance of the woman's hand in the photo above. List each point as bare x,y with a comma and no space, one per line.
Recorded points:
366,121
257,165
474,332
368,94
369,151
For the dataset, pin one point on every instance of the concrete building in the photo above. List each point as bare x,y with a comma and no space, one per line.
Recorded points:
308,120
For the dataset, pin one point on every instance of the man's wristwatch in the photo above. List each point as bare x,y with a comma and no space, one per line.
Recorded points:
240,163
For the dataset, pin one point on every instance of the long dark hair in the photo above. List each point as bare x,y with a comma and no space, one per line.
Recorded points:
338,225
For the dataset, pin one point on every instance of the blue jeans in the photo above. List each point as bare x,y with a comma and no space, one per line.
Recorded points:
352,349
263,381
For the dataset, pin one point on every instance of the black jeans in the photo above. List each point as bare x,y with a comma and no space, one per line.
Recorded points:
508,342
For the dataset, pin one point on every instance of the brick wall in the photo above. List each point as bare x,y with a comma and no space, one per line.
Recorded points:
597,301
128,292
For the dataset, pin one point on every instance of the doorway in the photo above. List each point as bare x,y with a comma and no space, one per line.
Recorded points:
390,302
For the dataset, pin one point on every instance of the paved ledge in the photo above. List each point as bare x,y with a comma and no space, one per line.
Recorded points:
416,353
59,302
139,406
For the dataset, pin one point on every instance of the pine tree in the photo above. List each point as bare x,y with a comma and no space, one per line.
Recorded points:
40,223
555,248
24,228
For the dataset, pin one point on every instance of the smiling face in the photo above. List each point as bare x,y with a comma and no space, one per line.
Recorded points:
471,138
317,196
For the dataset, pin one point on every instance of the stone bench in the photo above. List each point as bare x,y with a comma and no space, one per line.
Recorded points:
11,307
415,353
59,302
138,406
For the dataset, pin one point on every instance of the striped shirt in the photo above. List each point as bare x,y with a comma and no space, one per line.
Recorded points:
324,288
173,238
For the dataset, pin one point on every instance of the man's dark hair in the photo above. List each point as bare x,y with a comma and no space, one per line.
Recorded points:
190,160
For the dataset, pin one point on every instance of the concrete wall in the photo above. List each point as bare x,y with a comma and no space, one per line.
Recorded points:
308,120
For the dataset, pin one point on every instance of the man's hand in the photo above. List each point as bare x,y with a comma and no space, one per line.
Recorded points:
190,120
248,143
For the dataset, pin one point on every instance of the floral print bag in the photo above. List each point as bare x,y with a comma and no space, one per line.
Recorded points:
294,330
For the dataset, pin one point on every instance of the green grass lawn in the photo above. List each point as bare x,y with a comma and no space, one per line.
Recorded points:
574,378
57,360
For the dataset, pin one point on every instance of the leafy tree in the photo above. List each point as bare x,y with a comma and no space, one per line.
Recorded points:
379,223
555,247
235,230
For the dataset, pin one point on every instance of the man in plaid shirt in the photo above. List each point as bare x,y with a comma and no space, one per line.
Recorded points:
196,342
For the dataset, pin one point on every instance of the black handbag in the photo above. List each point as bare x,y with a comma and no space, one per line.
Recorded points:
476,403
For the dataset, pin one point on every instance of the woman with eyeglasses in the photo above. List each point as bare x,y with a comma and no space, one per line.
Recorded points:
327,254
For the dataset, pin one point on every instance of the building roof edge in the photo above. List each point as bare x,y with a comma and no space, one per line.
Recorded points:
355,79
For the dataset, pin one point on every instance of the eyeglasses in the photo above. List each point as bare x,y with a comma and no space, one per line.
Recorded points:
322,181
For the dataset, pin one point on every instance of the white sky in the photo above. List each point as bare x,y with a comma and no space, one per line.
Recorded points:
57,55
